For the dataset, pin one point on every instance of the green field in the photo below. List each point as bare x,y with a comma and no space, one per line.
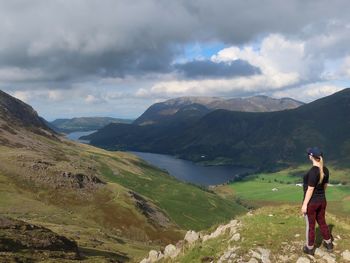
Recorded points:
281,187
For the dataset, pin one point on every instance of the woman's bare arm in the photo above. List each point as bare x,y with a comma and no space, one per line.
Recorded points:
307,198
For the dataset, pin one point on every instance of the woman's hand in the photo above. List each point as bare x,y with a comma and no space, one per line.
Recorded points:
304,209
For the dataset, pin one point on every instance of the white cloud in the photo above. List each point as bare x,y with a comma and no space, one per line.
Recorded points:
55,95
22,95
91,99
282,63
310,92
277,57
16,74
345,67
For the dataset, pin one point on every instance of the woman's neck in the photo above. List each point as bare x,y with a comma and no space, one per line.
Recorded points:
315,163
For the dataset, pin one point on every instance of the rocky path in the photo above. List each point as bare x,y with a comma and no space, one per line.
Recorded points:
232,249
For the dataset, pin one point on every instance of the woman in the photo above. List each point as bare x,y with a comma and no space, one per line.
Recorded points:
314,203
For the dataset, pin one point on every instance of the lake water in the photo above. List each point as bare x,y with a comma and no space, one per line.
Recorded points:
181,169
74,136
190,172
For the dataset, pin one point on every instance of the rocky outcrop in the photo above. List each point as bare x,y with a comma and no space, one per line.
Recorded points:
233,249
191,238
43,174
20,239
79,180
232,226
150,211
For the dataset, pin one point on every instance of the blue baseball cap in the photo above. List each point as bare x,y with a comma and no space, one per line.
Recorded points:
314,152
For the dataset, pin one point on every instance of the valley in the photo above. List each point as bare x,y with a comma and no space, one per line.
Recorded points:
114,205
263,140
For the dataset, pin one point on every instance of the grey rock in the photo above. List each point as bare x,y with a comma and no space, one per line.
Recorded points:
171,251
265,255
346,255
191,236
319,253
303,260
236,237
329,258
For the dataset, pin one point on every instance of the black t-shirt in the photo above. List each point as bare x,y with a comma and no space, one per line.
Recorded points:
312,178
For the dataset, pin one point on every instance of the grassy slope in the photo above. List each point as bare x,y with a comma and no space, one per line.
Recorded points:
186,204
280,229
105,223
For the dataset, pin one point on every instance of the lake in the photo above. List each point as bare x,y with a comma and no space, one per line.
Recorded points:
74,136
183,170
190,172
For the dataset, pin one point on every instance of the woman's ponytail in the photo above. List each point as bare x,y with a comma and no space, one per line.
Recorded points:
321,170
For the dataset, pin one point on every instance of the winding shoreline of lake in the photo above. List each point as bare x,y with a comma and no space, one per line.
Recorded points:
188,171
183,170
74,136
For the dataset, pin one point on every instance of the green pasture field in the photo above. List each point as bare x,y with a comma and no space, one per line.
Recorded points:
284,187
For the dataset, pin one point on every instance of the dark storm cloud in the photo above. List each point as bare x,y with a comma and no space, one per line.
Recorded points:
209,69
67,40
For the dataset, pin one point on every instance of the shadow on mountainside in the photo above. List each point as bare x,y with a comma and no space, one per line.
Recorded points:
90,252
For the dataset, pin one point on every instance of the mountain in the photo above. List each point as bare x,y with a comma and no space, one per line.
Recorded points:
161,111
16,111
259,139
66,200
17,118
84,123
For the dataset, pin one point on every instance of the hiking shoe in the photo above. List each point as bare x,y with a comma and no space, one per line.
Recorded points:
329,246
309,251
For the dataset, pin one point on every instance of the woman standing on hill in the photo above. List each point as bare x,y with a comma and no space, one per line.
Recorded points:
314,204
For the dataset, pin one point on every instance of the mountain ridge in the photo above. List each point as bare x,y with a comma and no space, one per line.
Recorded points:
243,138
14,109
84,123
158,111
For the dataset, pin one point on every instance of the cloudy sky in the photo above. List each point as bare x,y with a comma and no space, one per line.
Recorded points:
117,57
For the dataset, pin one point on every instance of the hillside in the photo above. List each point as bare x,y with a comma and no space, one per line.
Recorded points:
16,112
273,230
161,111
84,123
243,138
269,234
112,204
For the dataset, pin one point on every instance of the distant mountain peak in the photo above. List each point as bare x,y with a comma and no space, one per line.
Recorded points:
13,110
260,103
84,123
191,100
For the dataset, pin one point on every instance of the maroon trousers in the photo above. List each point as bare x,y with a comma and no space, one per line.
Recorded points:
316,211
